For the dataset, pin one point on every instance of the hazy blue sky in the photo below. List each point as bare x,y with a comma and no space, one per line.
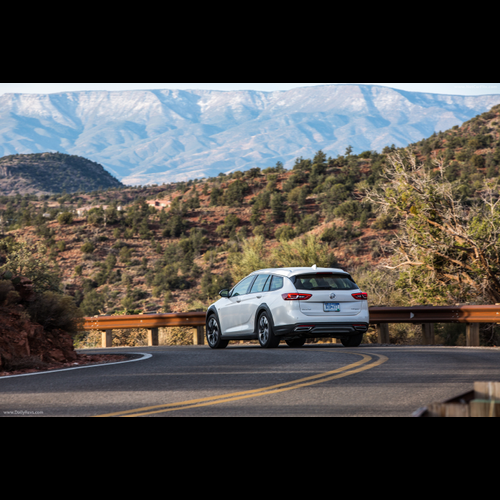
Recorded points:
436,88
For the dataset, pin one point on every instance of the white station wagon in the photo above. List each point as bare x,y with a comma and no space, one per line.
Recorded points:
290,304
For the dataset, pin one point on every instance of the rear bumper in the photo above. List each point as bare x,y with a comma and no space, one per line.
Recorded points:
315,330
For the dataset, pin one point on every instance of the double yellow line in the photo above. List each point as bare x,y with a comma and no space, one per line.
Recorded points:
366,363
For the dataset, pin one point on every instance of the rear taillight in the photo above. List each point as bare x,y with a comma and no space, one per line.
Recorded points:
296,296
360,296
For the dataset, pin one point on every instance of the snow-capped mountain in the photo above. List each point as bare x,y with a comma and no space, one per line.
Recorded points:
155,136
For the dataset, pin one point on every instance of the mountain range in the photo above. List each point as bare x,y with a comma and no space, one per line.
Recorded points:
156,136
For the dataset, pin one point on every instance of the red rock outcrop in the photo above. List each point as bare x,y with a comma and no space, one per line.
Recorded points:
24,343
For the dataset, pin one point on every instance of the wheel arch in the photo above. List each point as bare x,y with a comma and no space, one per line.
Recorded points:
211,310
260,309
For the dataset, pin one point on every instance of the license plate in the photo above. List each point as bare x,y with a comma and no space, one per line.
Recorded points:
331,307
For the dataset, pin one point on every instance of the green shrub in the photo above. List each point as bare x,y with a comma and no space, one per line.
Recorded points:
7,293
298,195
285,233
93,303
331,235
307,223
175,226
231,222
350,210
290,216
55,311
101,277
253,256
216,197
32,262
277,207
110,262
383,221
478,161
212,284
235,193
65,218
88,247
125,254
262,201
304,252
264,231
95,216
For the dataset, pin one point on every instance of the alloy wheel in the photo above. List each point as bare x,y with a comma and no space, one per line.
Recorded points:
263,329
212,331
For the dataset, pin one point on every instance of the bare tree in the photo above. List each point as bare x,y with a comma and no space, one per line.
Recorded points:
447,247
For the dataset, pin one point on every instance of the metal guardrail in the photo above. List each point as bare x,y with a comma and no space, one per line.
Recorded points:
150,322
435,314
145,321
426,316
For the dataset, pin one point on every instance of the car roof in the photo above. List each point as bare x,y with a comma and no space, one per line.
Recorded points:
293,271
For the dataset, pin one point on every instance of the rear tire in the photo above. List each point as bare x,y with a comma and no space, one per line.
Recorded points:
214,337
267,339
352,341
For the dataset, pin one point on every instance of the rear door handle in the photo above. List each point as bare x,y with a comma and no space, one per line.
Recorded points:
259,296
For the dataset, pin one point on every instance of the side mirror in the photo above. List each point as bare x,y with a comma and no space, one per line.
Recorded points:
224,292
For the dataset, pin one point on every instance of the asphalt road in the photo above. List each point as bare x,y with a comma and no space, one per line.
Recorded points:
324,380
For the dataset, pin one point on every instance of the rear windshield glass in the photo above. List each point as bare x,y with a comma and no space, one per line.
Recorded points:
324,282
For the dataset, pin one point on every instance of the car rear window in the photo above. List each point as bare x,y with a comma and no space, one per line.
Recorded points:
324,282
276,284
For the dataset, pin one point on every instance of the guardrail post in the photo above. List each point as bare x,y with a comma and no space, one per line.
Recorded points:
199,336
383,333
107,338
428,333
472,332
153,337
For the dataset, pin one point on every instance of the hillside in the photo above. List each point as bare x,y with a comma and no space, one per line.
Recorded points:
166,248
155,136
49,173
469,152
144,258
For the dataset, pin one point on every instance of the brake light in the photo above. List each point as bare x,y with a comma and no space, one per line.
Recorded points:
296,296
360,296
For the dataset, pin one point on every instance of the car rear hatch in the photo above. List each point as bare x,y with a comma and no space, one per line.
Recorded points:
331,295
324,304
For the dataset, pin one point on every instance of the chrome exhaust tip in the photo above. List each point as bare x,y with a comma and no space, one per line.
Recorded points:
303,328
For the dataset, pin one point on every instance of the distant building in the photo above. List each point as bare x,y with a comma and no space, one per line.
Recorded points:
159,204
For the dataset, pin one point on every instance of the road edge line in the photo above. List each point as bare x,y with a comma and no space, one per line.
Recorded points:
144,357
